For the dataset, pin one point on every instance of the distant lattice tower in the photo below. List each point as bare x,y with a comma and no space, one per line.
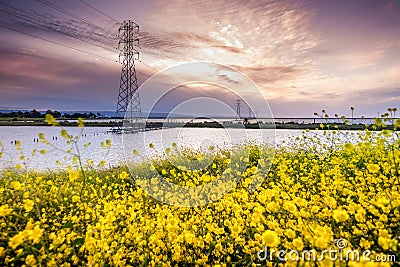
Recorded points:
238,105
128,105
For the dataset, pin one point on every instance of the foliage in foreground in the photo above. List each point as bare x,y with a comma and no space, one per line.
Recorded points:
316,192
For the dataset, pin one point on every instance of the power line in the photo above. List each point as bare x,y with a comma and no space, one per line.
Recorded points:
65,33
98,10
66,12
4,4
57,43
54,6
50,24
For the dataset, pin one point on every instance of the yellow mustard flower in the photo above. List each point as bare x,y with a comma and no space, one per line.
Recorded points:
270,238
28,205
340,215
5,210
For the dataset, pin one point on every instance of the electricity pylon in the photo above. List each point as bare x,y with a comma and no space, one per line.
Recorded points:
128,105
238,104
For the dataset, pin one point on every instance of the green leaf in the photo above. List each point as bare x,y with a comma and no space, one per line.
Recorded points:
78,242
68,225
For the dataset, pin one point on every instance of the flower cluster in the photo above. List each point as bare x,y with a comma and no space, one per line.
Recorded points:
316,192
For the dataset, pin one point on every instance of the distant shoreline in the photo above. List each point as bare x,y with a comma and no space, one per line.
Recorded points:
288,126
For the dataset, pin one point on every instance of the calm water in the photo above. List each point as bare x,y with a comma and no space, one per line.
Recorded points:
186,137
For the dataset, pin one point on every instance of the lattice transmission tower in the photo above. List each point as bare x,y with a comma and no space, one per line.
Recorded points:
238,105
128,105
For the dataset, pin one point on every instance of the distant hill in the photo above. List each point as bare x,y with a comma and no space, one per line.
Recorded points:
4,110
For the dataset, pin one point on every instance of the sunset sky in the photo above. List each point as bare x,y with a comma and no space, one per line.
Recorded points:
303,55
